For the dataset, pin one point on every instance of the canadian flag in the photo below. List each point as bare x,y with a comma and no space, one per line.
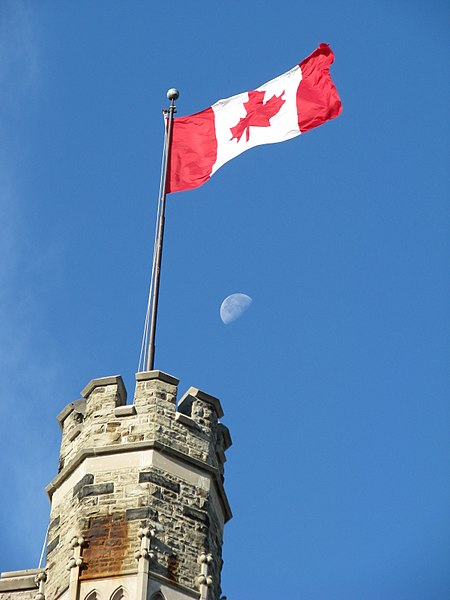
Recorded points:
279,110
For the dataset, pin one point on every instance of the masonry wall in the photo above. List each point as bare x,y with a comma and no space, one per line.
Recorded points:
125,467
19,595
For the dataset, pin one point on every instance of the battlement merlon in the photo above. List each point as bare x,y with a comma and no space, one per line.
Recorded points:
103,424
194,395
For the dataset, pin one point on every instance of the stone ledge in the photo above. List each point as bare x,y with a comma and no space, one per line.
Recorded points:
147,375
104,381
19,580
185,403
82,454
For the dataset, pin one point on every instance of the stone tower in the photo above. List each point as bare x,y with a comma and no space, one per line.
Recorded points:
138,505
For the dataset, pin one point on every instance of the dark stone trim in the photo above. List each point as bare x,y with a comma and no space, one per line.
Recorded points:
74,433
86,480
132,514
96,490
152,477
54,523
194,513
52,545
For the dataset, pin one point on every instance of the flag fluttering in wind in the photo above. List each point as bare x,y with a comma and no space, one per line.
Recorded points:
279,110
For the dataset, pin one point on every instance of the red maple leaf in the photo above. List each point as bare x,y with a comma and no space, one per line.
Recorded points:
258,114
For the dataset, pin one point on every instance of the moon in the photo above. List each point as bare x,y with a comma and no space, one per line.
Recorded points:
233,307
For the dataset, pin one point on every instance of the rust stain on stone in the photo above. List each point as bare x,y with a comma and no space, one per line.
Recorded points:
106,549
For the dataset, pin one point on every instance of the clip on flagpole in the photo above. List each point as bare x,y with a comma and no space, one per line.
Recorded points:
173,94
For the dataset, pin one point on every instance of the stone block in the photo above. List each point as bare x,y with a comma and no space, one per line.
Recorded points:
146,512
197,515
125,411
74,433
85,480
52,545
96,490
54,523
152,477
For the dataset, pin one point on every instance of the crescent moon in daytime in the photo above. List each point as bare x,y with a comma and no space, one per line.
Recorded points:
233,307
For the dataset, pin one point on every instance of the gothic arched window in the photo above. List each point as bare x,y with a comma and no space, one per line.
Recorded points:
92,596
119,594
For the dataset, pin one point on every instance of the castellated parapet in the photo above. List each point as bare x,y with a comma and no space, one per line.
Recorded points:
138,505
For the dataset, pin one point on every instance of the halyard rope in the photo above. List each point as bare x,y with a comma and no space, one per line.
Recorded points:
144,344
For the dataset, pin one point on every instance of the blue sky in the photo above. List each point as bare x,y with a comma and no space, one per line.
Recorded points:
333,382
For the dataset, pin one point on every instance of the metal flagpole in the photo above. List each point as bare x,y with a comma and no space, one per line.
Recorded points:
172,95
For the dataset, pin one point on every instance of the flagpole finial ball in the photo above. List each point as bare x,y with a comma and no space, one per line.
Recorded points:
173,94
